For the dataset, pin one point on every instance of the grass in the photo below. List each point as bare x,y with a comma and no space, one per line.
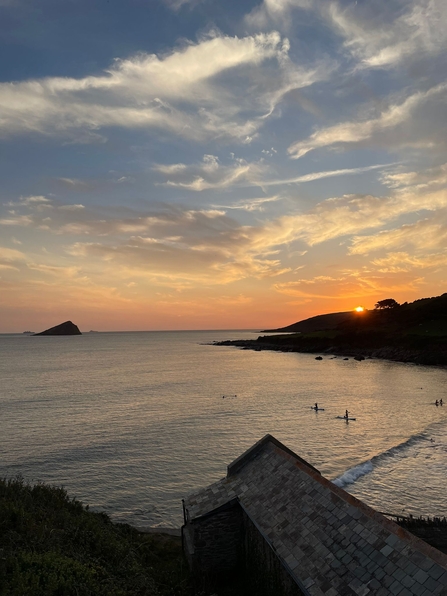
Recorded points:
51,545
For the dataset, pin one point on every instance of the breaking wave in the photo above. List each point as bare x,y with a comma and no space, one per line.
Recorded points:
360,470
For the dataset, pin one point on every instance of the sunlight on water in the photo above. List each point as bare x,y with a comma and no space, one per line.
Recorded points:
131,422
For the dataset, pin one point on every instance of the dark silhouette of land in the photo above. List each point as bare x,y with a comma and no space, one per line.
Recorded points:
67,328
409,332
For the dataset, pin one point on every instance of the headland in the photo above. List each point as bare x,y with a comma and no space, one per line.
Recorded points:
412,332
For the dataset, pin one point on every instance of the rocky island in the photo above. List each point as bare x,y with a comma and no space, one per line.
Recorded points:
410,332
67,328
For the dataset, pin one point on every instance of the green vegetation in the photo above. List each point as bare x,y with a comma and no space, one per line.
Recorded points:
51,545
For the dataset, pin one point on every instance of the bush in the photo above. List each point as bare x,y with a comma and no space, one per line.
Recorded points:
51,545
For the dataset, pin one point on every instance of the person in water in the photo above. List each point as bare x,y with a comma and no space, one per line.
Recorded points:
440,402
436,403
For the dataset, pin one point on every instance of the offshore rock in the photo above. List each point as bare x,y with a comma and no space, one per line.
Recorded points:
67,328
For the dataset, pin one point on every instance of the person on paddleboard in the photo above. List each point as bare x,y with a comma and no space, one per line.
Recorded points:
436,403
316,406
440,402
346,414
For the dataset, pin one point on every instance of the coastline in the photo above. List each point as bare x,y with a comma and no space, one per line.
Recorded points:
430,356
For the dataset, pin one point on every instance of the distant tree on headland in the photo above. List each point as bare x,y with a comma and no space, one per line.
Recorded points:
386,304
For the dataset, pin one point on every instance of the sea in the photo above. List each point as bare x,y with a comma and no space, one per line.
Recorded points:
130,423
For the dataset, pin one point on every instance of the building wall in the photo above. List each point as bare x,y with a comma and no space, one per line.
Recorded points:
213,546
264,572
226,548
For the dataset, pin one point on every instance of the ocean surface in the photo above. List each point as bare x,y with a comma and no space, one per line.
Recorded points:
129,423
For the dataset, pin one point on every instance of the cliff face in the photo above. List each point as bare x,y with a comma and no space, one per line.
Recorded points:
67,328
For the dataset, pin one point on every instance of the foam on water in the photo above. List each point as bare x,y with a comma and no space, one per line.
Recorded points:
353,474
406,479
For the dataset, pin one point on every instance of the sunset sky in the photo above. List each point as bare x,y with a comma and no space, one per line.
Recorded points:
194,164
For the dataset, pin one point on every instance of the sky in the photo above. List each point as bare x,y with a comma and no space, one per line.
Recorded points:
219,164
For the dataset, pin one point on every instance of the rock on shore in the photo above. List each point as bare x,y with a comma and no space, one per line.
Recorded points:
428,356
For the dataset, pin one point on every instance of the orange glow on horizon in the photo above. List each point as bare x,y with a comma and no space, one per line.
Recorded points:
359,309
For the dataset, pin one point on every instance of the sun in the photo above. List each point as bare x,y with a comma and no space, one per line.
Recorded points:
359,309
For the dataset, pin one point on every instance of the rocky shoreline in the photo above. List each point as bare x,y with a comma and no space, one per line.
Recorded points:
284,343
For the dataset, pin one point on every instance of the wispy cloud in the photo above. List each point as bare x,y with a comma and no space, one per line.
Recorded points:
376,34
354,132
397,262
328,174
416,180
11,255
383,35
425,235
274,11
211,174
182,92
254,204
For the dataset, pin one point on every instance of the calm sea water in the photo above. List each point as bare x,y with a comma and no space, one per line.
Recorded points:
130,423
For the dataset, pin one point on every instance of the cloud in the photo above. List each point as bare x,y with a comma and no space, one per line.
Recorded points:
11,259
417,181
55,270
375,129
355,284
73,207
344,216
208,261
376,34
208,246
16,220
176,5
256,204
10,255
75,184
397,262
36,201
274,11
210,174
424,235
385,34
224,86
320,175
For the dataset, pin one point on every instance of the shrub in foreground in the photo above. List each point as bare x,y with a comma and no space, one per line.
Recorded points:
51,544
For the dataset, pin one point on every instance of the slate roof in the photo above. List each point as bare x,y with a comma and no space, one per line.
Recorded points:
331,543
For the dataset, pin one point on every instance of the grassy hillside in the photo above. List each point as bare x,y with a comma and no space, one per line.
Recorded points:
51,545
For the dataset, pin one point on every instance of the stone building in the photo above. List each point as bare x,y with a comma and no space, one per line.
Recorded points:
275,522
